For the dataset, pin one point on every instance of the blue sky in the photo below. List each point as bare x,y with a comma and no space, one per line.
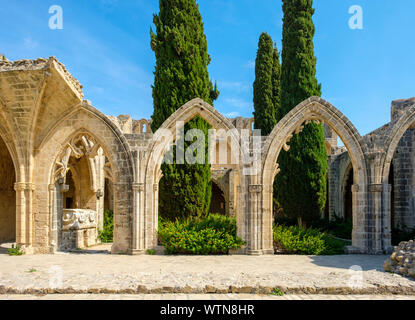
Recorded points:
105,44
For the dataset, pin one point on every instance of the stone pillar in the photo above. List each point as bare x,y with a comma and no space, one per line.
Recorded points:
360,233
138,220
24,215
375,218
372,225
56,191
386,221
254,219
155,212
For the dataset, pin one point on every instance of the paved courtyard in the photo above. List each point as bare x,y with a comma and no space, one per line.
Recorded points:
93,272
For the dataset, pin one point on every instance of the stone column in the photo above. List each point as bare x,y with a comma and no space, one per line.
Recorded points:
360,233
138,220
56,191
155,212
386,222
24,215
374,223
254,219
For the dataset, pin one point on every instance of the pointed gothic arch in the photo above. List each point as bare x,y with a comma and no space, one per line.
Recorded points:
319,111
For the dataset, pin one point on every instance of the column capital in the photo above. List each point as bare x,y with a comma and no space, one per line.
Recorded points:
375,187
255,188
138,187
22,186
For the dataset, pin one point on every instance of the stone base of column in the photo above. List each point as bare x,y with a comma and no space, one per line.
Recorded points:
255,252
353,250
136,252
268,251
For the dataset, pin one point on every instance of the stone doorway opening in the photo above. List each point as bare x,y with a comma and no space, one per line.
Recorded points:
7,197
84,180
218,202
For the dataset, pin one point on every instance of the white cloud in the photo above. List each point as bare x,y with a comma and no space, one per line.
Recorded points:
234,85
29,43
238,103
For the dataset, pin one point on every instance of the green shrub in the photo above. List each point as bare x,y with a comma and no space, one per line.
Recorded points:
106,235
215,234
295,239
15,251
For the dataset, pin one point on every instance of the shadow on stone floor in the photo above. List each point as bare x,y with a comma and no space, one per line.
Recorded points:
365,262
5,246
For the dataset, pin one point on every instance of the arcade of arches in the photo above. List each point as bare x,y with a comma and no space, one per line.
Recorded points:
63,163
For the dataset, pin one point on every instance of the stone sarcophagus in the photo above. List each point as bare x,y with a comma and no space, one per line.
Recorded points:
79,228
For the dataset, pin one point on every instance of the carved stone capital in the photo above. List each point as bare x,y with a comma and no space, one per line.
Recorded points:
138,187
355,188
375,188
22,186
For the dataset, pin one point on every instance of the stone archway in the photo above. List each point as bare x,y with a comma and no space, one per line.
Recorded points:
147,189
54,150
319,111
220,199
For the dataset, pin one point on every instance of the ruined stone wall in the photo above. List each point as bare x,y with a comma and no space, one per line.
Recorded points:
338,171
403,182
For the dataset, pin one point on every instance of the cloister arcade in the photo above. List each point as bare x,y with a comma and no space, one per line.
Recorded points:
63,162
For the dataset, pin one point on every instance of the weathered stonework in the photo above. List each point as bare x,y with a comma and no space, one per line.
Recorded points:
65,154
402,260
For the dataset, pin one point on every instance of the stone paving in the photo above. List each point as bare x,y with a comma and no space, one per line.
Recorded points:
81,273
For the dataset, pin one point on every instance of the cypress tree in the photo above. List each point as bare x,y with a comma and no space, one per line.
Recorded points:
265,112
301,184
181,74
276,82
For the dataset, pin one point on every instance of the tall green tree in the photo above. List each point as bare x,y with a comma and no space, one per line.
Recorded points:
301,184
181,74
276,82
264,107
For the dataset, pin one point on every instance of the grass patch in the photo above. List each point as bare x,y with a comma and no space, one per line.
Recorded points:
277,292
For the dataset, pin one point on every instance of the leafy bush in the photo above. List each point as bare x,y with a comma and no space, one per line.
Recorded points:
15,251
215,234
106,235
295,239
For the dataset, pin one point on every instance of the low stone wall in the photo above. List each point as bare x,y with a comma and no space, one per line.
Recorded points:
402,260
